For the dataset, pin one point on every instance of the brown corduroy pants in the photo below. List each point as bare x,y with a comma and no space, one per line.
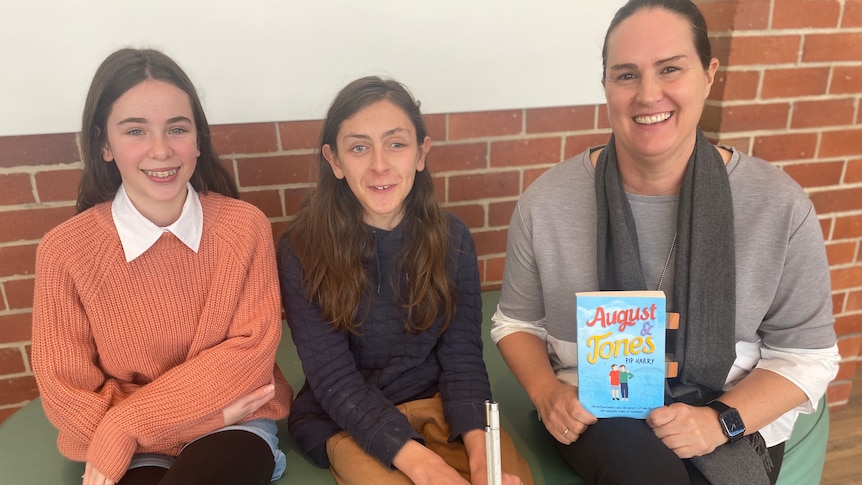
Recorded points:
351,465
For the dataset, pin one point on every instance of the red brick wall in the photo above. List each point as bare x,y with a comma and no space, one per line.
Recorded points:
790,91
791,95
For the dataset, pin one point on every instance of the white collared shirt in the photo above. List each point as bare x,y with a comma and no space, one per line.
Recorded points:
137,233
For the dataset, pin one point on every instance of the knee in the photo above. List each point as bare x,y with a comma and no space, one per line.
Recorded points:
615,451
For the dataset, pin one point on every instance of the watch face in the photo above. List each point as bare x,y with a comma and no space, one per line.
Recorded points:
732,422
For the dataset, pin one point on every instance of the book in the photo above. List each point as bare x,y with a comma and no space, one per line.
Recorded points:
621,352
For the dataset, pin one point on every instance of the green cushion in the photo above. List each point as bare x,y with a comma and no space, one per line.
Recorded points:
28,450
805,451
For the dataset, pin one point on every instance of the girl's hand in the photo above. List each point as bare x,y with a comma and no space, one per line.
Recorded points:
480,477
474,442
92,476
423,466
248,404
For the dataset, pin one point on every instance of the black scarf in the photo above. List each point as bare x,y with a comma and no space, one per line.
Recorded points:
704,287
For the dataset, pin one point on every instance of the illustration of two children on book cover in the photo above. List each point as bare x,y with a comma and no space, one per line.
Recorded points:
619,379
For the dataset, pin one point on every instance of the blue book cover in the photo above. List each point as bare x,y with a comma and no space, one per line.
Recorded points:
621,352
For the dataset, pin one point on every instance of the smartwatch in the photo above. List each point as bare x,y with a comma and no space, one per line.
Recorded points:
730,420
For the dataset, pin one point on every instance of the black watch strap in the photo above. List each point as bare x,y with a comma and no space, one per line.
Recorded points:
718,406
729,419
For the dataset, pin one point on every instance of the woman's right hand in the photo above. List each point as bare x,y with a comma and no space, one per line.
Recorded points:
248,404
562,413
423,466
557,403
92,476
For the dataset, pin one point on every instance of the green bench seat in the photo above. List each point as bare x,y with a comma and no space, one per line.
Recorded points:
28,451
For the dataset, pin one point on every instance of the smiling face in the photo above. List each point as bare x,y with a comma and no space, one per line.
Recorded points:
152,138
378,153
655,87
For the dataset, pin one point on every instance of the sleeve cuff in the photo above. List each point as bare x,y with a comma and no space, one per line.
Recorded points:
465,417
111,450
387,441
503,326
809,369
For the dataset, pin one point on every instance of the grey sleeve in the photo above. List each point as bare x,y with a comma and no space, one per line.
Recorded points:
800,315
522,297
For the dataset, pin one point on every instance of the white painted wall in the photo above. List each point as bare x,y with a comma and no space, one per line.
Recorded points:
275,60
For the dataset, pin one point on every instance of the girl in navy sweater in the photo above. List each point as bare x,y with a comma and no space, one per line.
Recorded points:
383,300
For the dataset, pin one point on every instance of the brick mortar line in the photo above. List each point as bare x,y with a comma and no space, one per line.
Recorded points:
14,345
19,243
37,205
786,65
25,311
789,31
16,375
523,136
487,200
788,131
4,279
855,97
15,311
35,169
785,100
832,188
263,188
494,170
237,157
793,163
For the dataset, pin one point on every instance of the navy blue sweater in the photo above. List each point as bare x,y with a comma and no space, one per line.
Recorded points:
353,382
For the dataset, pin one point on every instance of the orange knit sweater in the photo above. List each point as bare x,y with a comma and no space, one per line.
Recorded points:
143,356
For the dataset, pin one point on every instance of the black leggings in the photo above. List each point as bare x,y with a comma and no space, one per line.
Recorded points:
227,457
626,451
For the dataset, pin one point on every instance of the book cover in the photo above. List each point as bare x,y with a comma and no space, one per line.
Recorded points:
621,352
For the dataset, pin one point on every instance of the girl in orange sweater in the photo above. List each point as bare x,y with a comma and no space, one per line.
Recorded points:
157,314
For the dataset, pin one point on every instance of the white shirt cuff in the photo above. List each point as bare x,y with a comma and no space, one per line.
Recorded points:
504,325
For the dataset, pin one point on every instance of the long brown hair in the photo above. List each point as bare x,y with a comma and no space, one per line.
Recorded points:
119,72
332,243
